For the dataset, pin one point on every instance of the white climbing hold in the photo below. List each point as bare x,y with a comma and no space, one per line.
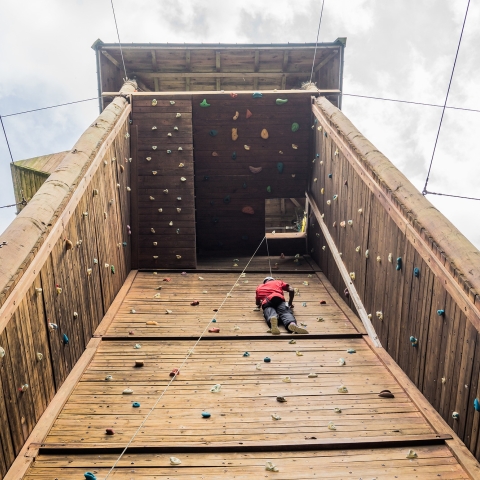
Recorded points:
168,312
412,454
270,467
287,380
342,389
133,310
216,388
172,102
183,179
276,417
2,352
360,211
39,356
39,290
178,115
127,391
152,198
379,259
337,410
170,224
357,249
201,278
154,102
341,361
175,460
154,147
157,295
236,328
180,149
312,375
324,248
444,380
108,378
350,222
322,190
380,315
390,257
331,426
366,253
258,366
149,158
137,346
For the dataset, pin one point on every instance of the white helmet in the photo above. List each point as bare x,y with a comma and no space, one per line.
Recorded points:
267,279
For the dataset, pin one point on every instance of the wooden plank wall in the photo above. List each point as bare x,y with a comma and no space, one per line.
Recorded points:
445,365
36,353
163,211
224,185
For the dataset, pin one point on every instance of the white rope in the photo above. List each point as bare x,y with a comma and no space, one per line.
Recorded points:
316,43
268,253
190,352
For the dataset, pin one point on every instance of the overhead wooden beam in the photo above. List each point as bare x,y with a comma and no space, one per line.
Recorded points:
295,203
156,81
257,60
218,65
218,84
187,84
154,60
142,85
324,61
255,83
285,61
284,82
219,74
187,60
117,64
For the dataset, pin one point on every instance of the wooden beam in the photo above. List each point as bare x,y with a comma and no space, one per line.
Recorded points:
255,83
274,74
218,84
324,61
282,206
285,61
257,60
187,84
362,313
156,82
154,60
142,86
187,60
218,65
284,82
312,93
107,55
295,203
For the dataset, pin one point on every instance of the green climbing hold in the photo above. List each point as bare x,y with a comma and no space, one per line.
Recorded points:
213,133
204,103
269,189
280,167
244,185
112,268
281,101
295,126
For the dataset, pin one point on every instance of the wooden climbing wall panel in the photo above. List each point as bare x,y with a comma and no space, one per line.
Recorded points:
164,210
68,297
303,437
445,364
224,183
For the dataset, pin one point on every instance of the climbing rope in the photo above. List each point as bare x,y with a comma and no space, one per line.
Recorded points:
119,42
177,370
316,43
6,139
268,253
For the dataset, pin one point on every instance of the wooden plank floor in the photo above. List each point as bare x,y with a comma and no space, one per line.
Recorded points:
319,432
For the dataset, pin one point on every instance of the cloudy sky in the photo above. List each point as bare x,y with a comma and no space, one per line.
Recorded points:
402,49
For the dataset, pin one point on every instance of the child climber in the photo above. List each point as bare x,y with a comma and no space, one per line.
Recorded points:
269,295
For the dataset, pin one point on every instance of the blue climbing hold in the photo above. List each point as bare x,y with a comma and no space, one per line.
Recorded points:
315,120
234,155
476,405
206,415
280,167
213,133
65,340
135,405
206,177
330,175
413,341
214,320
89,476
244,185
124,244
317,155
440,313
267,360
257,95
399,263
246,354
416,272
227,199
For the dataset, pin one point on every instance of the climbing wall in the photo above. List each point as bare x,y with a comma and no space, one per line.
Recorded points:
163,209
247,148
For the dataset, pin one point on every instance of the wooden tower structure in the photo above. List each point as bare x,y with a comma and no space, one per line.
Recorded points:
130,345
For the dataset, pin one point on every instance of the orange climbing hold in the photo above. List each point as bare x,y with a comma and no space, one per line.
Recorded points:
175,372
166,279
214,330
248,114
195,303
248,210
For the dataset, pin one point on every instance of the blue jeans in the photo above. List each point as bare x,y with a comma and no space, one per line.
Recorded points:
276,307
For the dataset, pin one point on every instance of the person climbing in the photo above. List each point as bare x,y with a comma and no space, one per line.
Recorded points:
269,295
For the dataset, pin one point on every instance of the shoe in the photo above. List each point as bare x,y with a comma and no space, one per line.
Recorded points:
294,328
274,324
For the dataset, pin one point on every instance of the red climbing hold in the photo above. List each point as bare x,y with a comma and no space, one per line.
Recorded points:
233,95
282,255
131,332
175,372
110,431
195,303
214,330
248,114
248,210
166,279
323,302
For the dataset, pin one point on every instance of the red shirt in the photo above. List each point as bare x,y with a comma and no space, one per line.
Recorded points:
271,289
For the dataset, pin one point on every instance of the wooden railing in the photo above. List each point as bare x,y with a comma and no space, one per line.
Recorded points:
66,256
417,276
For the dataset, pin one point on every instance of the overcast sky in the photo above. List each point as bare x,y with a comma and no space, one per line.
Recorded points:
400,49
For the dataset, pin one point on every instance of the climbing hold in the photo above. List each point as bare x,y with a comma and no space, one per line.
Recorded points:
323,302
295,127
139,363
204,103
180,149
152,198
267,359
322,190
286,380
411,454
255,169
233,94
270,467
154,172
258,366
294,146
213,133
280,152
206,415
214,330
416,272
137,346
342,224
455,415
89,476
39,355
68,244
52,326
168,312
169,151
89,271
248,114
312,375
235,117
248,210
234,155
298,354
320,319
476,405
178,257
39,290
379,259
264,134
331,426
154,102
227,199
175,461
352,275
112,268
246,147
276,417
351,350
165,191
292,341
23,388
216,388
341,362
2,352
342,389
257,95
440,313
350,222
380,315
337,410
399,263
304,304
366,253
183,179
234,134
154,147
269,190
246,354
175,128
175,372
65,339
281,399
58,288
414,341
386,394
330,175
281,101
280,167
109,431
346,293
172,102
135,405
329,202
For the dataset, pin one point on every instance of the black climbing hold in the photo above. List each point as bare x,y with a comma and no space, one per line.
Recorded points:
244,185
325,133
413,341
399,263
206,177
214,220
